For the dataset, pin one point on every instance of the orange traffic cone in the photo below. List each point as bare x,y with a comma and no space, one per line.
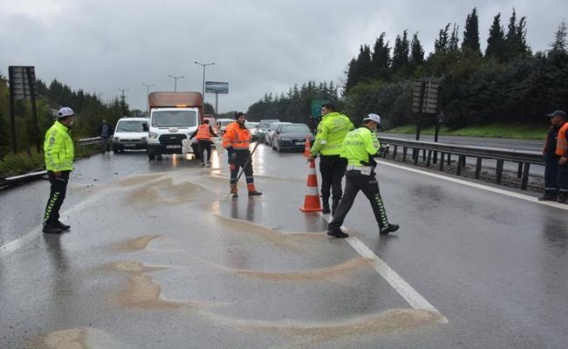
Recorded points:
307,147
312,199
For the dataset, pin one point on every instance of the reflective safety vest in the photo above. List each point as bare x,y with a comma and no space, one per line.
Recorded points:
331,132
204,132
58,148
237,137
562,142
359,145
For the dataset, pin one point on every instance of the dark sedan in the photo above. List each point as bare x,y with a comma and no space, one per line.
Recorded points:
291,137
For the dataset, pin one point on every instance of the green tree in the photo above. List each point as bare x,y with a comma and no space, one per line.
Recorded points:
381,59
496,44
470,43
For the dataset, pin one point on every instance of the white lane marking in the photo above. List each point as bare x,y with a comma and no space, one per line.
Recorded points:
36,231
478,186
398,284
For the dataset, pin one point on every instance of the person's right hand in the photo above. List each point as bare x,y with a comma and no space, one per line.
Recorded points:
233,157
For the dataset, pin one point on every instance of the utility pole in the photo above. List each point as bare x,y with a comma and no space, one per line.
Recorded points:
122,101
175,81
204,65
147,101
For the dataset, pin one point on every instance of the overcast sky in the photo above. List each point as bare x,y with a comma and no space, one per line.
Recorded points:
258,46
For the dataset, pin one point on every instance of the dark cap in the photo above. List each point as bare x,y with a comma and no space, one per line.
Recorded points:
239,114
560,113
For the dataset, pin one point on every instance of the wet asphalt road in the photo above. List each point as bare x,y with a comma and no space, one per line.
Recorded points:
159,257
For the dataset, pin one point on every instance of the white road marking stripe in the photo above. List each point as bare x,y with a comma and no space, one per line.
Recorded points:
478,186
398,284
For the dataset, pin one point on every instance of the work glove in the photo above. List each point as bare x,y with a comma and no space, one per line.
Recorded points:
233,157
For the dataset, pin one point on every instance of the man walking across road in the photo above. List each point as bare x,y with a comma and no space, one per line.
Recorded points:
558,119
236,140
331,132
59,156
359,148
203,134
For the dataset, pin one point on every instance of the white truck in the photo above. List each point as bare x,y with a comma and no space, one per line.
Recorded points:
174,116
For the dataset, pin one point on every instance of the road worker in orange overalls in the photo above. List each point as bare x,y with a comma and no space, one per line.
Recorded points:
236,141
204,133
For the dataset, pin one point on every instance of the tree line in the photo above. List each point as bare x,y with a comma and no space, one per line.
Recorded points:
507,83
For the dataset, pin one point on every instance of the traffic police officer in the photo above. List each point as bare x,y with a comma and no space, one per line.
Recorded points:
359,147
59,156
331,132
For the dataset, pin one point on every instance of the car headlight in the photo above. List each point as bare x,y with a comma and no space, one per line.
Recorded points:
153,135
116,139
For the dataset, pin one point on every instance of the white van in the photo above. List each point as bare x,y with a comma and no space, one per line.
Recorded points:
130,134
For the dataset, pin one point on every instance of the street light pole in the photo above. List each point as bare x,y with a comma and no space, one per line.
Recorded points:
175,81
147,101
204,65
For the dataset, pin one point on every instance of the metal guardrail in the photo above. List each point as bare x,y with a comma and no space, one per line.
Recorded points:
14,180
431,150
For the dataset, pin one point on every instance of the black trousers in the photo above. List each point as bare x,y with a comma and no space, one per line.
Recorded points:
242,161
355,181
204,145
562,180
332,170
550,174
56,196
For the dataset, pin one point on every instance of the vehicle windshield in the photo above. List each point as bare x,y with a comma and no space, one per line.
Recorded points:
174,118
130,126
295,129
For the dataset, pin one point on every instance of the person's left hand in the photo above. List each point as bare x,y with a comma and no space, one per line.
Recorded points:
311,158
563,161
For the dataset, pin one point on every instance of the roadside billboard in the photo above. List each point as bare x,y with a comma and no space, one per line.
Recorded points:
216,87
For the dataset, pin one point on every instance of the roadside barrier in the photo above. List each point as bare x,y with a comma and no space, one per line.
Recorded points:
312,199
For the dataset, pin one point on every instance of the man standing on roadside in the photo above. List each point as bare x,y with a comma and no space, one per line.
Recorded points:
105,132
558,119
331,132
551,159
59,156
359,148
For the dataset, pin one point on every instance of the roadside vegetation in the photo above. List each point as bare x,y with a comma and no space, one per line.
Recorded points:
518,131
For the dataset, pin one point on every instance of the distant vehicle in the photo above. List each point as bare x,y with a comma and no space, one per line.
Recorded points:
270,131
253,128
130,134
222,124
262,126
291,137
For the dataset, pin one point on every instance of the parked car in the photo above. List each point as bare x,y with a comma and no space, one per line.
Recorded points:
270,131
130,134
262,126
291,136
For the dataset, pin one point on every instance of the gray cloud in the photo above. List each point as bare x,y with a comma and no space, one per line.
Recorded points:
258,46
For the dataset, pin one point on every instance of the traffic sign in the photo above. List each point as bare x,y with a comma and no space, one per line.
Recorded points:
316,107
21,78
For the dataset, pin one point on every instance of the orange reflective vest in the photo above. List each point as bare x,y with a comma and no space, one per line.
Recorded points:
562,142
204,132
236,136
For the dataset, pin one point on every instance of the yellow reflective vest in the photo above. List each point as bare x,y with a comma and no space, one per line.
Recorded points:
58,148
331,131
